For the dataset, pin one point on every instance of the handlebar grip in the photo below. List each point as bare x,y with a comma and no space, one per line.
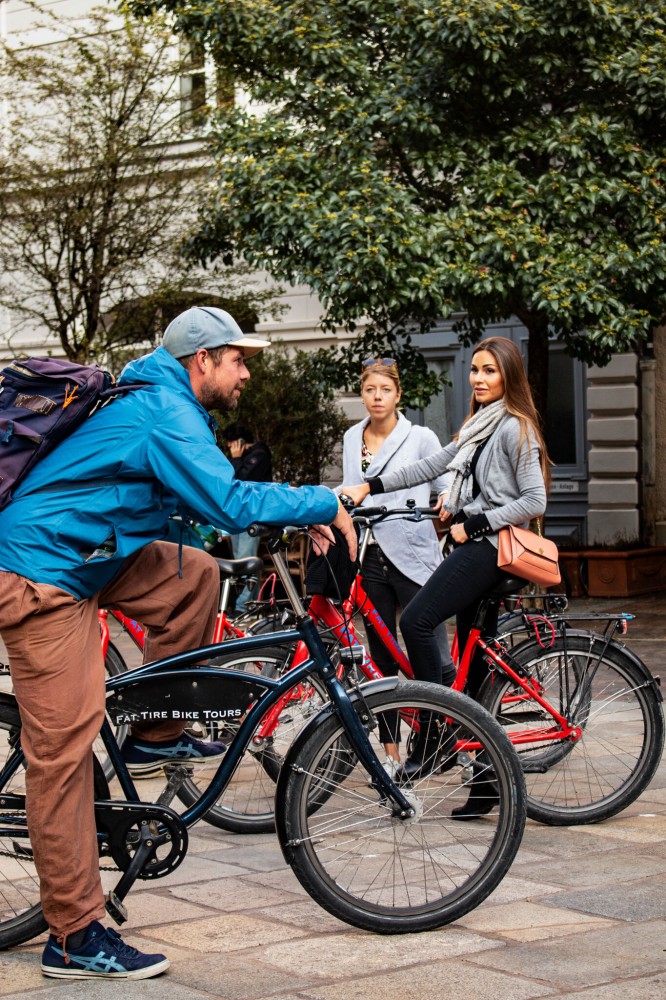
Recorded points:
346,501
361,512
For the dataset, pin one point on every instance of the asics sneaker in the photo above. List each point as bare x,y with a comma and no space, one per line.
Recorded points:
143,757
101,955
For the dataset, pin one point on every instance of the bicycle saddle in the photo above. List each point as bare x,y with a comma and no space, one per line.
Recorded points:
251,566
509,586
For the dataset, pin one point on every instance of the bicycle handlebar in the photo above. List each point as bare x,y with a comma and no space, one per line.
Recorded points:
410,513
361,515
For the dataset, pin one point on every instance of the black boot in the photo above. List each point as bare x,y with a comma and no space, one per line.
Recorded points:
483,796
432,750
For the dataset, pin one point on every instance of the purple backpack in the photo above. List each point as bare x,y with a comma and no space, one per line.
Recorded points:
42,400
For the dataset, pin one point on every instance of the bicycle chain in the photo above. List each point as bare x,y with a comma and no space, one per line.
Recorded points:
16,855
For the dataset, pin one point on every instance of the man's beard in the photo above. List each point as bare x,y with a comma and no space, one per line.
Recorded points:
212,399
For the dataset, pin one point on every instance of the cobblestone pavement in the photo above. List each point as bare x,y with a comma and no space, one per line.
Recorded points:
580,915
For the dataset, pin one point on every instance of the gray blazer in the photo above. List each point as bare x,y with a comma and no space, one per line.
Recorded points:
511,482
411,546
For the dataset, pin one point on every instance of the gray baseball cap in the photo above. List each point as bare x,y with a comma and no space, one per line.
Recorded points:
205,327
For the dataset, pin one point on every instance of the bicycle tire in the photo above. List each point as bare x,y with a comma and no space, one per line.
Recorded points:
373,870
114,664
21,917
247,804
612,698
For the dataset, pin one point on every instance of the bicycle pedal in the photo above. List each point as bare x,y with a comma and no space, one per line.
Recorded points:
115,908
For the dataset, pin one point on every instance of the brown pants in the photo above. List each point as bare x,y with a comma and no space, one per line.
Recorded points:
54,648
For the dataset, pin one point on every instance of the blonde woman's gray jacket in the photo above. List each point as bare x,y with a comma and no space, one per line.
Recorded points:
411,546
508,472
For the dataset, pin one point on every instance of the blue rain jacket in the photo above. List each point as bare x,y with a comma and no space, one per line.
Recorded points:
109,488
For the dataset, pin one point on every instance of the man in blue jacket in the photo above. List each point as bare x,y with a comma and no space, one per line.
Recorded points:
85,530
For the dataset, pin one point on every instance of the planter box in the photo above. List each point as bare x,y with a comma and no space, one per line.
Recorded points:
603,573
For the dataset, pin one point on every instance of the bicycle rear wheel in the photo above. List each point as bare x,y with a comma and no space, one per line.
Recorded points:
114,664
247,804
21,917
601,689
373,869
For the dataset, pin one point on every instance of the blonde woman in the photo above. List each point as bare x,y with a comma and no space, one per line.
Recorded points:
402,555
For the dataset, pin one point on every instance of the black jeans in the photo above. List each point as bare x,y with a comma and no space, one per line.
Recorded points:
389,589
455,588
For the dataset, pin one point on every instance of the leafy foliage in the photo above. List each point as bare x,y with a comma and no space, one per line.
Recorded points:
409,158
292,409
94,205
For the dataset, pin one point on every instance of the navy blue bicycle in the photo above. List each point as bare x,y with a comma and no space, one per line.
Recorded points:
377,851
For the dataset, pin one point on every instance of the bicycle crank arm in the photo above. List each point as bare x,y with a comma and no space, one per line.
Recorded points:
145,841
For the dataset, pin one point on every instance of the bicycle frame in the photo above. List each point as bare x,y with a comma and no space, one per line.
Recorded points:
194,694
562,728
224,628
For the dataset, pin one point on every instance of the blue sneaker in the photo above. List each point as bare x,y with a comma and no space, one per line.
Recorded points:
144,758
102,955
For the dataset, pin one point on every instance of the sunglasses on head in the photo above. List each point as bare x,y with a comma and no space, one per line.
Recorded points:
384,362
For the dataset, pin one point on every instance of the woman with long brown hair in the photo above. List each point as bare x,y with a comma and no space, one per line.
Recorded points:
499,465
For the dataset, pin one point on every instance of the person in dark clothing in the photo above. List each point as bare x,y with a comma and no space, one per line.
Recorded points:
251,459
252,462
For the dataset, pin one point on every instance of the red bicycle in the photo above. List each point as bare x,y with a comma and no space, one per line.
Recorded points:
583,711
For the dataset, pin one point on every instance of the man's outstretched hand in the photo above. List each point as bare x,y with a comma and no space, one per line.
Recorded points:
324,535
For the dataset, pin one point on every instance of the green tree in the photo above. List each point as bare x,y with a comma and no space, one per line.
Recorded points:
409,158
100,188
293,411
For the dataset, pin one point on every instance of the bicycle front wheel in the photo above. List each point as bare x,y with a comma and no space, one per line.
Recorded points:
600,689
380,872
247,804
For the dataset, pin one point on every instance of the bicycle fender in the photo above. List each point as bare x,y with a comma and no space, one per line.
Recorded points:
11,704
372,687
625,651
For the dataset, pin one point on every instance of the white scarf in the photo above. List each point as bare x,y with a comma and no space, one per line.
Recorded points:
472,433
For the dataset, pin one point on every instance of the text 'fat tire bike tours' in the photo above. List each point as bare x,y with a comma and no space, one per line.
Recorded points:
378,853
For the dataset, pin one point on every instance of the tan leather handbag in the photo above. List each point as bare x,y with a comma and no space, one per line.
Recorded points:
524,553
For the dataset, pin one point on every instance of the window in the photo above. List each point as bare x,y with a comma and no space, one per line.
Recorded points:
193,86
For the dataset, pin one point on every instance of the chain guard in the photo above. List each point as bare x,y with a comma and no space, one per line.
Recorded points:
121,823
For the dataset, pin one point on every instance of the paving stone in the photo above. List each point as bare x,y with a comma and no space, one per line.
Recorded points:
563,841
638,829
94,989
148,908
529,921
450,980
514,888
600,956
193,869
262,859
334,956
301,914
602,868
644,900
228,932
20,972
645,988
230,894
284,879
237,979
